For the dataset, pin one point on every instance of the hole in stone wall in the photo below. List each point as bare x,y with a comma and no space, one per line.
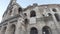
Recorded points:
54,10
25,14
49,14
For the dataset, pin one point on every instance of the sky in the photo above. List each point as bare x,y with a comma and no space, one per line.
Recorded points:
24,3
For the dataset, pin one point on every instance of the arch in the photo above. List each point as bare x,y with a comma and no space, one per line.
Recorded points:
19,10
26,21
32,13
3,30
46,30
12,29
57,17
49,14
25,14
33,30
10,12
54,10
0,27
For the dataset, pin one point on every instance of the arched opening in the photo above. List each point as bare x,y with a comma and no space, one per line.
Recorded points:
12,29
32,13
54,10
0,27
26,21
10,12
33,30
4,30
57,17
46,30
19,10
49,14
25,14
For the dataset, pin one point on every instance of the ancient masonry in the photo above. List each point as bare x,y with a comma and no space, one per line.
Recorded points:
34,19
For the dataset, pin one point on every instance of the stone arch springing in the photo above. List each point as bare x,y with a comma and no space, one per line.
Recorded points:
33,30
12,29
32,13
46,30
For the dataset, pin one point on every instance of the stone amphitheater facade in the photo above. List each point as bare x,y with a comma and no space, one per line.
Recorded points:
34,19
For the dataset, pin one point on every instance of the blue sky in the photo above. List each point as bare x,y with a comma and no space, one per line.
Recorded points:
24,3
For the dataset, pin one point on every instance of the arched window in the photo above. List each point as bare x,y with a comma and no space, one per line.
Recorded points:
32,13
19,10
46,30
33,30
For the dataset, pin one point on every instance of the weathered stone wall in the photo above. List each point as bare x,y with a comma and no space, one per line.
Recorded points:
15,23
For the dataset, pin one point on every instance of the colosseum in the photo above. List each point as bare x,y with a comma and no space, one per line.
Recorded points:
34,19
